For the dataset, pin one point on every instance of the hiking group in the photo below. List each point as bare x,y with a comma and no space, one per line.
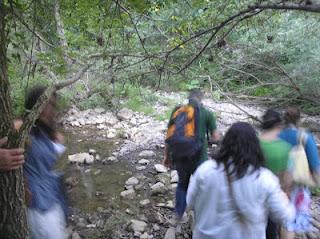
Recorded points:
254,187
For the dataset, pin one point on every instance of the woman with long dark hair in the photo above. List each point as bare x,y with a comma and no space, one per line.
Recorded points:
233,195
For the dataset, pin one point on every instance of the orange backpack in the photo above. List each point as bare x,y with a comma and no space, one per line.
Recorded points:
182,135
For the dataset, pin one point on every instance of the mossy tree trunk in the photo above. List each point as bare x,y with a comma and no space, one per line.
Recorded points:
12,207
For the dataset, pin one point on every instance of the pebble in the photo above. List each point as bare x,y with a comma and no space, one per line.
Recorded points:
160,168
128,194
138,226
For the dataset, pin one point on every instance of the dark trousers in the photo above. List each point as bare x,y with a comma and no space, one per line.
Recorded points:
185,168
273,230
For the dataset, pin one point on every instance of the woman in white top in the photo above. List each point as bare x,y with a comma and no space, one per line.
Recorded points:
233,195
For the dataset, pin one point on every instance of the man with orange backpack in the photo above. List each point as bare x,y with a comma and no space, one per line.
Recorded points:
186,144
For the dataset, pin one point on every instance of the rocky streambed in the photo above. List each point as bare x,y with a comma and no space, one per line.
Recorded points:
116,185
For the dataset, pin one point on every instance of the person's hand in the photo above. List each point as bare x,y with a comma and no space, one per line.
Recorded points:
59,138
167,162
10,159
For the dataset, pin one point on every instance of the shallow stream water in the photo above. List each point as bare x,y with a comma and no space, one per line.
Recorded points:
95,185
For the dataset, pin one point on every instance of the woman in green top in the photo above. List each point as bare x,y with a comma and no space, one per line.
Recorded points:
276,153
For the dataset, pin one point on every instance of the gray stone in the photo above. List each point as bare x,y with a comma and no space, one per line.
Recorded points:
158,188
144,202
156,227
125,114
171,233
81,158
147,154
144,161
170,204
174,176
92,151
138,226
160,168
140,168
163,178
132,181
99,110
144,236
128,194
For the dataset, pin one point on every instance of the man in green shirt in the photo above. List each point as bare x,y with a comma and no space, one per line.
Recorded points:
186,166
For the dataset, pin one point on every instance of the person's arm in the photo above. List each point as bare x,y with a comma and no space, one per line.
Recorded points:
277,202
193,190
312,154
212,127
166,160
10,159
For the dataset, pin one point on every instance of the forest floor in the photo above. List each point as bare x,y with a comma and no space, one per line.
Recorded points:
117,187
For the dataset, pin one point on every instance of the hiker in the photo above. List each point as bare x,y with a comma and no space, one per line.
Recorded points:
10,159
46,205
293,134
189,123
233,194
276,153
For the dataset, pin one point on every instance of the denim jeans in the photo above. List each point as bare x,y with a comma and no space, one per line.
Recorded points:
185,168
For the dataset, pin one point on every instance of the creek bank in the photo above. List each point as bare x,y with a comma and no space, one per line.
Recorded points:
137,200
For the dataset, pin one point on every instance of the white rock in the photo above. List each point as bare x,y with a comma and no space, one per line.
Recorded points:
101,126
82,121
112,159
132,181
144,161
156,227
112,133
144,202
99,110
174,176
81,158
75,123
128,194
158,188
144,236
92,151
170,234
160,168
110,119
125,114
98,157
140,168
138,226
170,204
147,154
91,226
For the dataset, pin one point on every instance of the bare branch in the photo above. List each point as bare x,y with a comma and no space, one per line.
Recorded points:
289,6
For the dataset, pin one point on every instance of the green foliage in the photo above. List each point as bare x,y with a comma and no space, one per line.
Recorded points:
137,39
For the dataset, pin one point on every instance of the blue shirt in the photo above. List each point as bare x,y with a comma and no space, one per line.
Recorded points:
43,182
290,135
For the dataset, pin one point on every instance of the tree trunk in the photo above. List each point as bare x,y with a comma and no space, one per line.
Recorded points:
61,33
12,207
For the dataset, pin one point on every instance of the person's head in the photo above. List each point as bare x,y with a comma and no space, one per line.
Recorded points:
241,148
48,114
271,120
292,116
195,95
